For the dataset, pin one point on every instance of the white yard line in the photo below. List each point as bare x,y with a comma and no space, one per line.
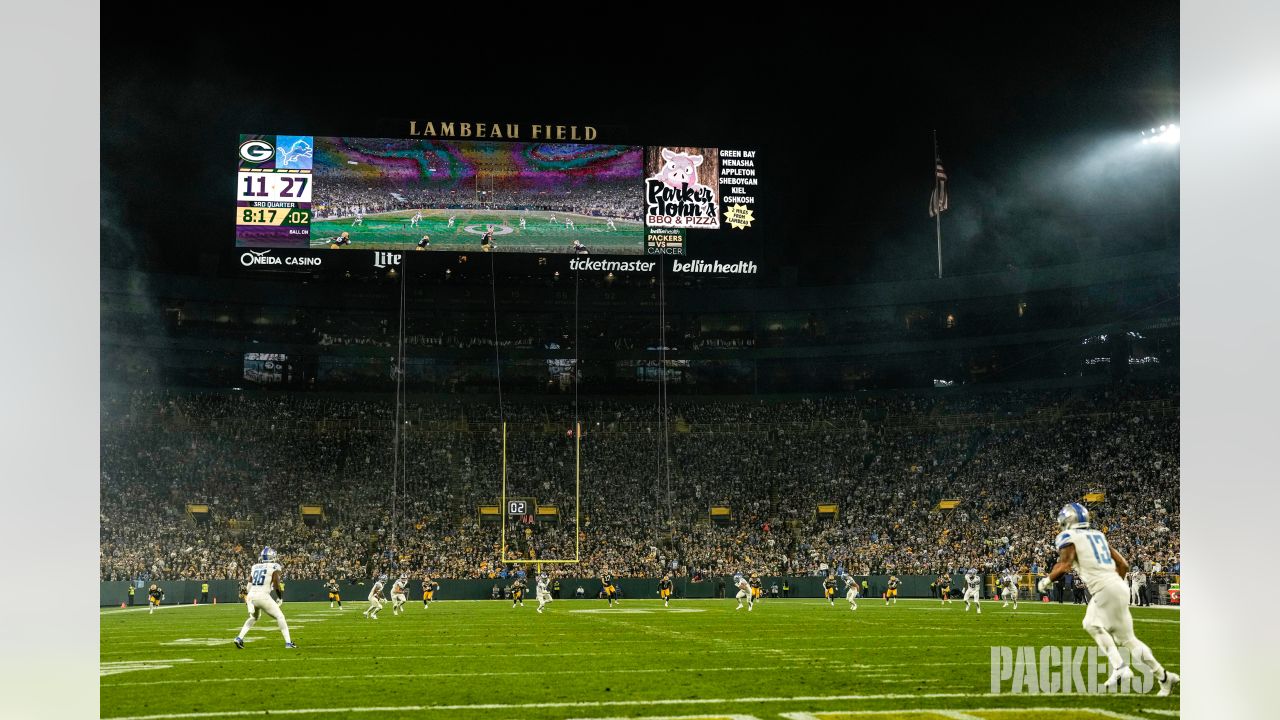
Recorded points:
115,668
743,648
717,716
592,704
593,671
965,714
796,652
112,610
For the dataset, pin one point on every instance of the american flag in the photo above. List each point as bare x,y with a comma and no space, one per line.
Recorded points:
938,199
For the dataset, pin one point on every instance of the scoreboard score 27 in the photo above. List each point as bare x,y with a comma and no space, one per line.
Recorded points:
273,191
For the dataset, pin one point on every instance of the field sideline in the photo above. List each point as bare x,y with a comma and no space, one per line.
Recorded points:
798,658
391,231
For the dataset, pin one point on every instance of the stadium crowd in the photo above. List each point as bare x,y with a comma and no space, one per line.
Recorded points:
1010,460
344,197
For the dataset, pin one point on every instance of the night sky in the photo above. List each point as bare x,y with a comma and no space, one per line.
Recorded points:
1037,117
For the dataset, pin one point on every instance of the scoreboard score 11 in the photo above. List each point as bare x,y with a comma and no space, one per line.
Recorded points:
259,185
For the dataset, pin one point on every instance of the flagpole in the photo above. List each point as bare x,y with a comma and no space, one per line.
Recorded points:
937,215
938,219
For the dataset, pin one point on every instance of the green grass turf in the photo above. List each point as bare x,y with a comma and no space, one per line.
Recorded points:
635,660
391,231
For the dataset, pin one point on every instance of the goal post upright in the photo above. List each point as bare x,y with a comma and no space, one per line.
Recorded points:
577,507
577,488
502,507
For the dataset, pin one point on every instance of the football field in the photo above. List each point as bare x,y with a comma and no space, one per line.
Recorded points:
394,231
798,659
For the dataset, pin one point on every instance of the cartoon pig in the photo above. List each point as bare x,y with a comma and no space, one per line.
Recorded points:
680,169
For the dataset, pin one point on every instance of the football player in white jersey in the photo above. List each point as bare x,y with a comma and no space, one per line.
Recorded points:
609,222
375,598
359,218
851,591
543,590
417,217
973,589
1085,551
398,594
451,219
568,224
522,223
1135,586
264,579
1009,589
744,592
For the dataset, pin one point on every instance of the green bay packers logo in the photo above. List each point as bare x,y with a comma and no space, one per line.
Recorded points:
257,151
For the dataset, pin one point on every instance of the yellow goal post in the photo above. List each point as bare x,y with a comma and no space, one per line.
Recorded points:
577,506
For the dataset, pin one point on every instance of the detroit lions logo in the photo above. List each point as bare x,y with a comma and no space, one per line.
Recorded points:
297,154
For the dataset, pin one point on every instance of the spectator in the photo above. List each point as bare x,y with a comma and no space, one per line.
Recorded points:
254,459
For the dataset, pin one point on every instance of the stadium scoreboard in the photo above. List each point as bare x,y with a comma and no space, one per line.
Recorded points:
312,192
273,191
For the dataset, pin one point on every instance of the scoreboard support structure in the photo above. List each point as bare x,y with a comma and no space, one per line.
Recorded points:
577,503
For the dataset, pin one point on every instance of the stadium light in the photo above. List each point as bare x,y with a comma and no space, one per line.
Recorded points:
1163,135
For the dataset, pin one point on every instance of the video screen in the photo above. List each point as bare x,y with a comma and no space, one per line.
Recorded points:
266,368
297,191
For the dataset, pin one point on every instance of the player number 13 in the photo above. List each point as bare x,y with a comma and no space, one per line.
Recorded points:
1100,549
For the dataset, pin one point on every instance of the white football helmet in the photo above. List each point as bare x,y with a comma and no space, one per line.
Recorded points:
267,555
1073,516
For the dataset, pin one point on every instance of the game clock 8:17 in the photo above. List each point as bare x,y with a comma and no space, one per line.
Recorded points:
272,216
